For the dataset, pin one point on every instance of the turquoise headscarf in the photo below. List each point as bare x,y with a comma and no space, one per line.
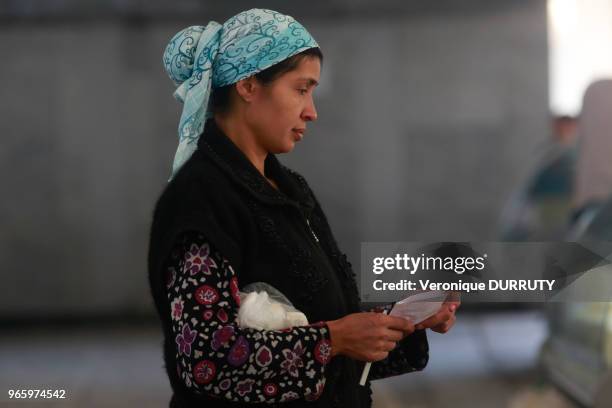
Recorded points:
199,58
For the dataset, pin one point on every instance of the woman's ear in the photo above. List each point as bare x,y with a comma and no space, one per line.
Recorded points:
247,88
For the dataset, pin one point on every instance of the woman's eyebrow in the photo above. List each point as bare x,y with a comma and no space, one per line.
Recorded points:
310,81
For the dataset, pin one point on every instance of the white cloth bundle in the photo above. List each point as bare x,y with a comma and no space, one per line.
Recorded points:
263,307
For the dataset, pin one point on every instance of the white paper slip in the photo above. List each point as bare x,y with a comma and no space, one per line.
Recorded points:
420,306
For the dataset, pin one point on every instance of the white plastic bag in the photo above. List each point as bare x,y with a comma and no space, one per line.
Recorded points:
263,307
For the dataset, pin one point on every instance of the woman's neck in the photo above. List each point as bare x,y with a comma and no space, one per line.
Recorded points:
243,137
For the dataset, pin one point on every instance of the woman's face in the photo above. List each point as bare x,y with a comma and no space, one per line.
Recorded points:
280,110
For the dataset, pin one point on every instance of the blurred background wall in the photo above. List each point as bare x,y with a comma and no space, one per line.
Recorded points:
429,115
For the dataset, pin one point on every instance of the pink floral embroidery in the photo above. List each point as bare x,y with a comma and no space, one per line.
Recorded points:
199,259
206,295
263,356
234,289
221,337
239,352
184,340
288,396
201,310
293,360
225,384
222,315
177,308
270,389
245,386
204,372
323,351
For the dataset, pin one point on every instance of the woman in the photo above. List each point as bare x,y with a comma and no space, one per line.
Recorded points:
232,215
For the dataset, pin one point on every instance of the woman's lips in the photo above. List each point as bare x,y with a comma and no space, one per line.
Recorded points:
298,134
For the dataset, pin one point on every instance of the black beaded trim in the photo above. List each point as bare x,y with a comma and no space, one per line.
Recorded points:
338,258
301,264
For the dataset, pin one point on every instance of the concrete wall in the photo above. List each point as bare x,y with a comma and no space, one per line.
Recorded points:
428,118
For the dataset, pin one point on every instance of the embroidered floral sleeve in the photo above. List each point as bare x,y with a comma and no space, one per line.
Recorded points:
217,357
411,354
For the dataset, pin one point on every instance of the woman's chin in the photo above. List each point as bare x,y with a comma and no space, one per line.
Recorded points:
285,148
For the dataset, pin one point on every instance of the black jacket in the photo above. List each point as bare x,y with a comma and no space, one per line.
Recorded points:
279,237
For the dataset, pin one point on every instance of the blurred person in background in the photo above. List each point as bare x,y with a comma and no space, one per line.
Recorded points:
593,180
541,208
232,214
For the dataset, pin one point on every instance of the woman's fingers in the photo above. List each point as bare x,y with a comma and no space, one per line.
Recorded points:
368,336
453,301
381,351
446,326
394,335
391,345
377,356
442,316
453,305
398,323
434,320
374,335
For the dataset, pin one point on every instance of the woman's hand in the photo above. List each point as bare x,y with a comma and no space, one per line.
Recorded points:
442,321
367,336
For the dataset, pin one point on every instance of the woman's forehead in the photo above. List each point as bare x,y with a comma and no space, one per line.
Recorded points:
308,70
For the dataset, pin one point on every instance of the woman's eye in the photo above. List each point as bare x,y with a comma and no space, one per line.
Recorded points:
302,91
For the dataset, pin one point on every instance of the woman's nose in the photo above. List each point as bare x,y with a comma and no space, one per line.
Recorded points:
309,114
